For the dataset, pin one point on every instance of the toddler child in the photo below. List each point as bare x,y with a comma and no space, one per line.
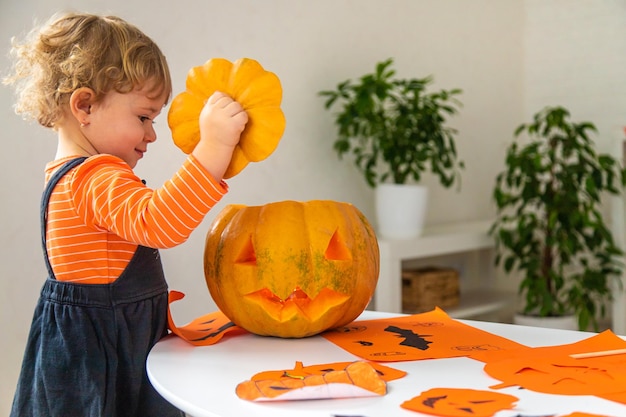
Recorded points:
99,83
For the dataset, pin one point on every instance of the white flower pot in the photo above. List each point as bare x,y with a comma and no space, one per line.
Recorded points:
562,322
400,210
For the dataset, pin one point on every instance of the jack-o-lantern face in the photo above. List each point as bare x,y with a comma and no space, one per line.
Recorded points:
291,269
452,402
560,375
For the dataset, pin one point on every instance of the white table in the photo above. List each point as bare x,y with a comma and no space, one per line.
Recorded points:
201,380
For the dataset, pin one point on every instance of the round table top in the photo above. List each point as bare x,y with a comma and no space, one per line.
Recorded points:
201,380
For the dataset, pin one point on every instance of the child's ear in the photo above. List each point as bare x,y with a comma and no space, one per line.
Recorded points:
80,104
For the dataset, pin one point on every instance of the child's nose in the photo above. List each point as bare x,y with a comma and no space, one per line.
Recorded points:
150,135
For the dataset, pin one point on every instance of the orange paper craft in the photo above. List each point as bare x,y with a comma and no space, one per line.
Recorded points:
301,371
357,379
204,330
428,335
454,402
551,370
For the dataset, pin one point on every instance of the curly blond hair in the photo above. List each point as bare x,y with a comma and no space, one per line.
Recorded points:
75,50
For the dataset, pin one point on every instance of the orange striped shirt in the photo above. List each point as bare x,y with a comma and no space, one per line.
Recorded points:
101,211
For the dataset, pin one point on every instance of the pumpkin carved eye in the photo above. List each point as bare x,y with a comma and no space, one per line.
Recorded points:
337,249
247,256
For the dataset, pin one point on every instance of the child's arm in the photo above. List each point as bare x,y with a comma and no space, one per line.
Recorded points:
108,196
221,122
164,217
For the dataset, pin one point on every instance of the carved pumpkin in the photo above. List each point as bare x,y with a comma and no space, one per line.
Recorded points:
291,269
257,90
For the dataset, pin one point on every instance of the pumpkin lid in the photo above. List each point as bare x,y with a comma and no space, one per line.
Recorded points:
258,91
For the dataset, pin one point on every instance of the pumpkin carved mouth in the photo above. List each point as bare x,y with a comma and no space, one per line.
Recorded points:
298,303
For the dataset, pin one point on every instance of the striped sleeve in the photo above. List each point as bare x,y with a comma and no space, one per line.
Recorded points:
109,196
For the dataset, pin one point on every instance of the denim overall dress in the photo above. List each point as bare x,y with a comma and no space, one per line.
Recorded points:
88,343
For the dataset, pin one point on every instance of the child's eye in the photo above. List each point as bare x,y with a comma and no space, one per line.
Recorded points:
144,118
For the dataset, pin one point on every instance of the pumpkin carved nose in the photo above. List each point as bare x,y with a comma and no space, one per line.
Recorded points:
247,256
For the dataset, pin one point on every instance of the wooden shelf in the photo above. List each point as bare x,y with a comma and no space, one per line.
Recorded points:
478,302
435,241
441,240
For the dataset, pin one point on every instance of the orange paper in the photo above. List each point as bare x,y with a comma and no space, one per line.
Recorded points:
428,335
204,330
551,370
355,379
301,371
453,402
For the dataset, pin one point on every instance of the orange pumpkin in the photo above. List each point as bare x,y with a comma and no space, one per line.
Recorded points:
257,90
291,269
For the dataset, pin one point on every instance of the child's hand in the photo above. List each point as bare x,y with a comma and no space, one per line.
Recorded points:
222,120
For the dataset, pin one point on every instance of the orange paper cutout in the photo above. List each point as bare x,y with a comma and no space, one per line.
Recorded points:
551,370
204,330
618,397
301,371
558,375
428,335
357,379
453,402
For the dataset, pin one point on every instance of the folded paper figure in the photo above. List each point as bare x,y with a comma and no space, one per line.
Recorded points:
453,402
339,380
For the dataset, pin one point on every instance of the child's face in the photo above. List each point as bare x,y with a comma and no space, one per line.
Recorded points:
122,124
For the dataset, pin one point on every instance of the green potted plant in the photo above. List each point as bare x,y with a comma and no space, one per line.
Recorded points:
549,224
396,131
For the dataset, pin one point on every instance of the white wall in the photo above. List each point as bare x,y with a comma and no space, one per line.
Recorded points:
575,55
477,45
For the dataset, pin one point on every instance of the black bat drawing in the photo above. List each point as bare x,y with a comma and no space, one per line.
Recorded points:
411,338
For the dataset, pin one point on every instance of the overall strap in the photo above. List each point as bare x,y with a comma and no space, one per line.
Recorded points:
54,179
